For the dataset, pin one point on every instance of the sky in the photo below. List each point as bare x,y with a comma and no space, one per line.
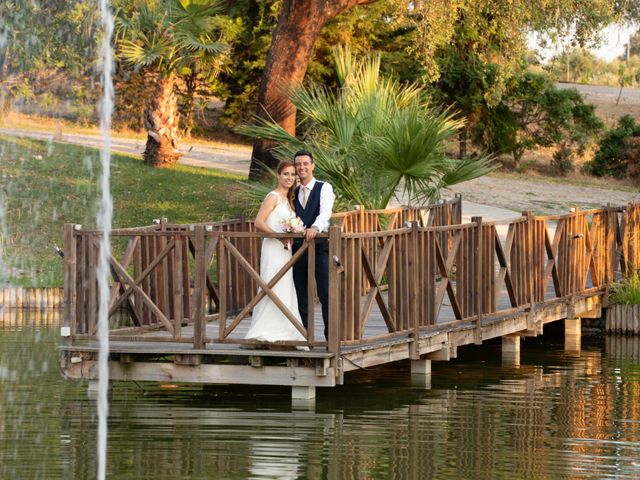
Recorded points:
614,39
614,45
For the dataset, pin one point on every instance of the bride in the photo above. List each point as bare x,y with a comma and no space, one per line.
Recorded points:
268,323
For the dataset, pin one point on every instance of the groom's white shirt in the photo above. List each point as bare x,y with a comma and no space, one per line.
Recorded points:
327,198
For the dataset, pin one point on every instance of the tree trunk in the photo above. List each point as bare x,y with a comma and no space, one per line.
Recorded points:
298,27
188,103
4,52
462,142
161,119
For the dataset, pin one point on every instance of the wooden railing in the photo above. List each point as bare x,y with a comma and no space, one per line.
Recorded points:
439,276
410,269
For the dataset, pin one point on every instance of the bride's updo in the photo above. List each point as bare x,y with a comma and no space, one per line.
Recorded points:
281,166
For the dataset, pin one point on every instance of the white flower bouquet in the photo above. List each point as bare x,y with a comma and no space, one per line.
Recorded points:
291,224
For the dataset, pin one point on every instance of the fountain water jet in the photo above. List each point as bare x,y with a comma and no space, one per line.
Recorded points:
105,215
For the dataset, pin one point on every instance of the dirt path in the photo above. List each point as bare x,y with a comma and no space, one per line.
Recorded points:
231,158
537,195
540,196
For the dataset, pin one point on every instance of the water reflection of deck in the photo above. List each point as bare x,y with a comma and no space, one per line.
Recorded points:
552,419
405,284
24,317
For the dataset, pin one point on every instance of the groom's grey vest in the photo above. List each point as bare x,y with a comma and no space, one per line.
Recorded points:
309,214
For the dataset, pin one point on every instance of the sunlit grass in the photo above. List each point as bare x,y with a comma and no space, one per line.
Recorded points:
627,291
36,123
45,185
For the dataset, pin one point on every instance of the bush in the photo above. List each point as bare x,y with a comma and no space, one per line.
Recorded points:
533,113
562,161
627,291
617,151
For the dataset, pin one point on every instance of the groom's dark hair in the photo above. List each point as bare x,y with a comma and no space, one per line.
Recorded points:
302,153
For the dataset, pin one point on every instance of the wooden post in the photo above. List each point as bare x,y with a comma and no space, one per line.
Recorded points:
530,229
413,307
222,288
611,245
335,269
178,286
477,331
311,291
200,272
69,320
91,292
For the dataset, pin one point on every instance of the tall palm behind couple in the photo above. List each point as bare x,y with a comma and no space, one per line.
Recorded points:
312,202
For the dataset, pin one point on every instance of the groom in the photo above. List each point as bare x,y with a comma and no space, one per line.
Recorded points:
313,203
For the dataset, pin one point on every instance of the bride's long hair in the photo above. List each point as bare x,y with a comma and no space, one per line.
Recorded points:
290,193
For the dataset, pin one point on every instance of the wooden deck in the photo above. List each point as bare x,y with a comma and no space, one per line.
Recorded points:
405,283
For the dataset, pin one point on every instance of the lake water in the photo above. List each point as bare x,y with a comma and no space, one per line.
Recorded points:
557,415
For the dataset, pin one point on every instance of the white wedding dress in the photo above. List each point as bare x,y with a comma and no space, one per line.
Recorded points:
268,323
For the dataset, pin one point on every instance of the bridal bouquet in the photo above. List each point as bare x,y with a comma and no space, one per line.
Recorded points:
291,224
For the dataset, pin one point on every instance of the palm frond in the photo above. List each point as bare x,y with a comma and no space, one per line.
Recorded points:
142,55
268,130
343,60
190,42
468,169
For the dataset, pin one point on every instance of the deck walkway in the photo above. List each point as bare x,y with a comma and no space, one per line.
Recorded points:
418,289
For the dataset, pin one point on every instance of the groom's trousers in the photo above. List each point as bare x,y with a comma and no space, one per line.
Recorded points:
300,278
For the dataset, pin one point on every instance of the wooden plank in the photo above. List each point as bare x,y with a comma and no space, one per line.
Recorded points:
70,281
124,277
200,272
126,261
140,278
311,290
186,277
93,250
374,279
414,282
335,271
210,251
477,292
137,270
81,275
222,287
504,274
206,373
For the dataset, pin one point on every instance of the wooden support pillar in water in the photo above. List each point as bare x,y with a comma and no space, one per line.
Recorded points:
572,334
302,393
511,349
92,389
421,373
421,367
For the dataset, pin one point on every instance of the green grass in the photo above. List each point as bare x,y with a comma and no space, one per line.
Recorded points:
45,185
627,291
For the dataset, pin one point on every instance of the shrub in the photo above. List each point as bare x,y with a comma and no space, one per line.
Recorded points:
627,291
617,151
562,161
534,112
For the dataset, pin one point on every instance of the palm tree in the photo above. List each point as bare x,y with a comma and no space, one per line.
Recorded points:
170,39
374,138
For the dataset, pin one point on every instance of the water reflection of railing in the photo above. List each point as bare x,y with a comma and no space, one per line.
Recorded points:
551,421
29,317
